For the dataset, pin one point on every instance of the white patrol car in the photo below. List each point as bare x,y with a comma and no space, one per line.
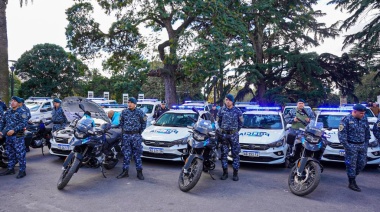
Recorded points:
198,104
40,108
262,138
149,106
335,150
166,138
114,107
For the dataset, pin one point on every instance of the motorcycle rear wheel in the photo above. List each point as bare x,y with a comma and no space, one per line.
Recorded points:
187,181
304,185
68,173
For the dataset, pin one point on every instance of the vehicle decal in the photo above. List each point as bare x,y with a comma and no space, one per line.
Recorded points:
165,131
254,134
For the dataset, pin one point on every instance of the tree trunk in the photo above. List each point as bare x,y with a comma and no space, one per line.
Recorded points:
169,80
261,89
4,70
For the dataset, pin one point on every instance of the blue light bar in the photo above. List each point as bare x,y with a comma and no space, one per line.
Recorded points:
246,103
258,108
340,109
185,107
186,102
147,100
113,105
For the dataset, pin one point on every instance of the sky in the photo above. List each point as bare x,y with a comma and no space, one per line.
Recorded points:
44,21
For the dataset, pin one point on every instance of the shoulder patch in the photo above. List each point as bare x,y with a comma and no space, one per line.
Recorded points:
378,124
23,115
145,118
341,127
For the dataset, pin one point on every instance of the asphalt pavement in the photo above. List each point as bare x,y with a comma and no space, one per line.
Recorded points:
260,188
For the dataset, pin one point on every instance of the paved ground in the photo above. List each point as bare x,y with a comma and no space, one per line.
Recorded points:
261,188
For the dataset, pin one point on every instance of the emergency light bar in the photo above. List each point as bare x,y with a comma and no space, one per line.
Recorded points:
147,100
186,107
338,109
258,108
39,98
186,102
246,103
113,106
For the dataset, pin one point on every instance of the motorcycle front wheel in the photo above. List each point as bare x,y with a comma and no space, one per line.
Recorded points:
68,173
188,180
307,182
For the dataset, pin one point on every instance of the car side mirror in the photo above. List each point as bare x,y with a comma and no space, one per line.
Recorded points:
153,122
43,110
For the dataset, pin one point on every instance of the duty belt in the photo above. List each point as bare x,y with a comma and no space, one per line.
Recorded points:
229,132
354,142
131,132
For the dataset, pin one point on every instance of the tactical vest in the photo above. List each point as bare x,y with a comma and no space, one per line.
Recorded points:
301,116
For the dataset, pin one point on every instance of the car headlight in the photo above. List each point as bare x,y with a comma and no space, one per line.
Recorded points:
276,143
79,134
373,144
180,141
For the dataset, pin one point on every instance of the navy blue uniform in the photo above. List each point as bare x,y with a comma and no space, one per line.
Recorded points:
230,122
15,146
27,111
376,130
133,123
354,134
159,112
59,119
1,112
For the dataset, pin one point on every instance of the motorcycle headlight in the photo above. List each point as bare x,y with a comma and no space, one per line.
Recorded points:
312,139
180,141
276,143
198,136
373,144
79,134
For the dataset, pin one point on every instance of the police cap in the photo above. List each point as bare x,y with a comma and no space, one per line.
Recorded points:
17,99
359,107
132,100
57,100
301,100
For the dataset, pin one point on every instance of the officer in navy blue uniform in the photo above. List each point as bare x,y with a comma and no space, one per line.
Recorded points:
133,123
1,112
354,134
58,117
160,111
230,120
12,127
376,130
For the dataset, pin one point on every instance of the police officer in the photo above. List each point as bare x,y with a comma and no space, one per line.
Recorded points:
376,130
133,123
354,134
161,110
230,120
12,127
298,117
214,111
1,112
58,117
115,117
3,105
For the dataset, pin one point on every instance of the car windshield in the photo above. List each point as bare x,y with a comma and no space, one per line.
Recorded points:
34,108
369,113
177,119
262,121
330,121
147,108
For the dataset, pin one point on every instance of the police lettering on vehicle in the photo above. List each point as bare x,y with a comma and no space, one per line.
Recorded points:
255,134
164,131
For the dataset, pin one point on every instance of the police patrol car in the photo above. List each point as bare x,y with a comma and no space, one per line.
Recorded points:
331,117
262,137
149,106
41,108
202,105
166,138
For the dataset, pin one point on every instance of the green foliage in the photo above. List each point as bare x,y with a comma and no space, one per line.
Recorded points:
369,88
47,70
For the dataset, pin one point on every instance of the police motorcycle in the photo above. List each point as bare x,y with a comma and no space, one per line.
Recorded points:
38,134
201,154
306,172
92,147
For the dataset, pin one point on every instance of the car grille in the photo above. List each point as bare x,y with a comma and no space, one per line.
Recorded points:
61,152
257,159
254,146
336,146
334,157
164,156
62,140
158,143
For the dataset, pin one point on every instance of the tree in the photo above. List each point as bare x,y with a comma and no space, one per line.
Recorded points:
4,69
47,70
278,31
369,88
175,18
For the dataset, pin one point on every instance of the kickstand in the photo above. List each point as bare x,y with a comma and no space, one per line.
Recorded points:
102,170
211,175
42,150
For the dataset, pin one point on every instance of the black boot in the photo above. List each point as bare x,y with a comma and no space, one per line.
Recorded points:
8,172
352,185
225,174
21,174
123,174
140,175
235,177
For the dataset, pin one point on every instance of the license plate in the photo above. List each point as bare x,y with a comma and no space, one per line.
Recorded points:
342,152
63,147
157,150
251,153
